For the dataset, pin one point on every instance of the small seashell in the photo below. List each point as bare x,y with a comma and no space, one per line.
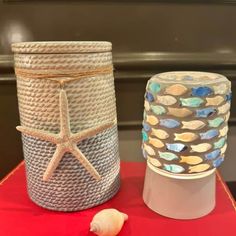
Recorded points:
146,105
144,136
191,102
186,137
166,100
215,101
227,117
212,155
220,89
223,149
205,112
224,108
146,127
228,97
191,160
201,91
154,87
152,120
216,122
218,161
149,97
176,147
108,222
179,112
156,142
149,150
169,123
220,143
199,168
202,147
209,134
158,110
176,89
224,131
193,125
168,156
154,162
159,133
173,168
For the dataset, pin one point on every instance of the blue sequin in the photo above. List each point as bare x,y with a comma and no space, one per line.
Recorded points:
146,127
206,112
176,147
173,168
209,134
154,87
144,136
169,123
228,97
149,97
201,91
212,155
218,161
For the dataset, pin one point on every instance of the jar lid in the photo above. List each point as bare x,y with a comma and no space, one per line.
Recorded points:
62,47
189,78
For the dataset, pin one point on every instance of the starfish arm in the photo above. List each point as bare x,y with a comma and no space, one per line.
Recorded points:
83,160
40,134
54,162
91,132
64,113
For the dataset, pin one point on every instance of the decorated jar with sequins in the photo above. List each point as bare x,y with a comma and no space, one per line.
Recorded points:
185,121
68,123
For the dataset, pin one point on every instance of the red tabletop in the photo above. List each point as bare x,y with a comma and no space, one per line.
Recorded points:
21,217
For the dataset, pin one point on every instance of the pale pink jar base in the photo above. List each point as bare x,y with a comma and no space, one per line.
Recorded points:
179,197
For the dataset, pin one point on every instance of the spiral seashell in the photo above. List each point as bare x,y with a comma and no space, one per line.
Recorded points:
108,222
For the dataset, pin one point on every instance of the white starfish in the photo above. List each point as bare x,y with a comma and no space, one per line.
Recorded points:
66,141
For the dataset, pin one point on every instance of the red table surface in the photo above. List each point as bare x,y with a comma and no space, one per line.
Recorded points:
19,216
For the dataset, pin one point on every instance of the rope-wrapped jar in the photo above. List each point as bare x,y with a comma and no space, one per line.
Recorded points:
186,121
68,122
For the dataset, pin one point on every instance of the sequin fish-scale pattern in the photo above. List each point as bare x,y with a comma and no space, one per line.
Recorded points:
186,121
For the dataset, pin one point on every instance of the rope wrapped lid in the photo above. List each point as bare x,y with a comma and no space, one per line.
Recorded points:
62,47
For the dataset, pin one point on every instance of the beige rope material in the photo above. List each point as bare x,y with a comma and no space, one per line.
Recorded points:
63,76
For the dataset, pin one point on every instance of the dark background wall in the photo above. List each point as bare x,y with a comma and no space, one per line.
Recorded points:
148,37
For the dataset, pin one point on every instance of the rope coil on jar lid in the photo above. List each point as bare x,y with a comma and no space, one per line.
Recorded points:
63,76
